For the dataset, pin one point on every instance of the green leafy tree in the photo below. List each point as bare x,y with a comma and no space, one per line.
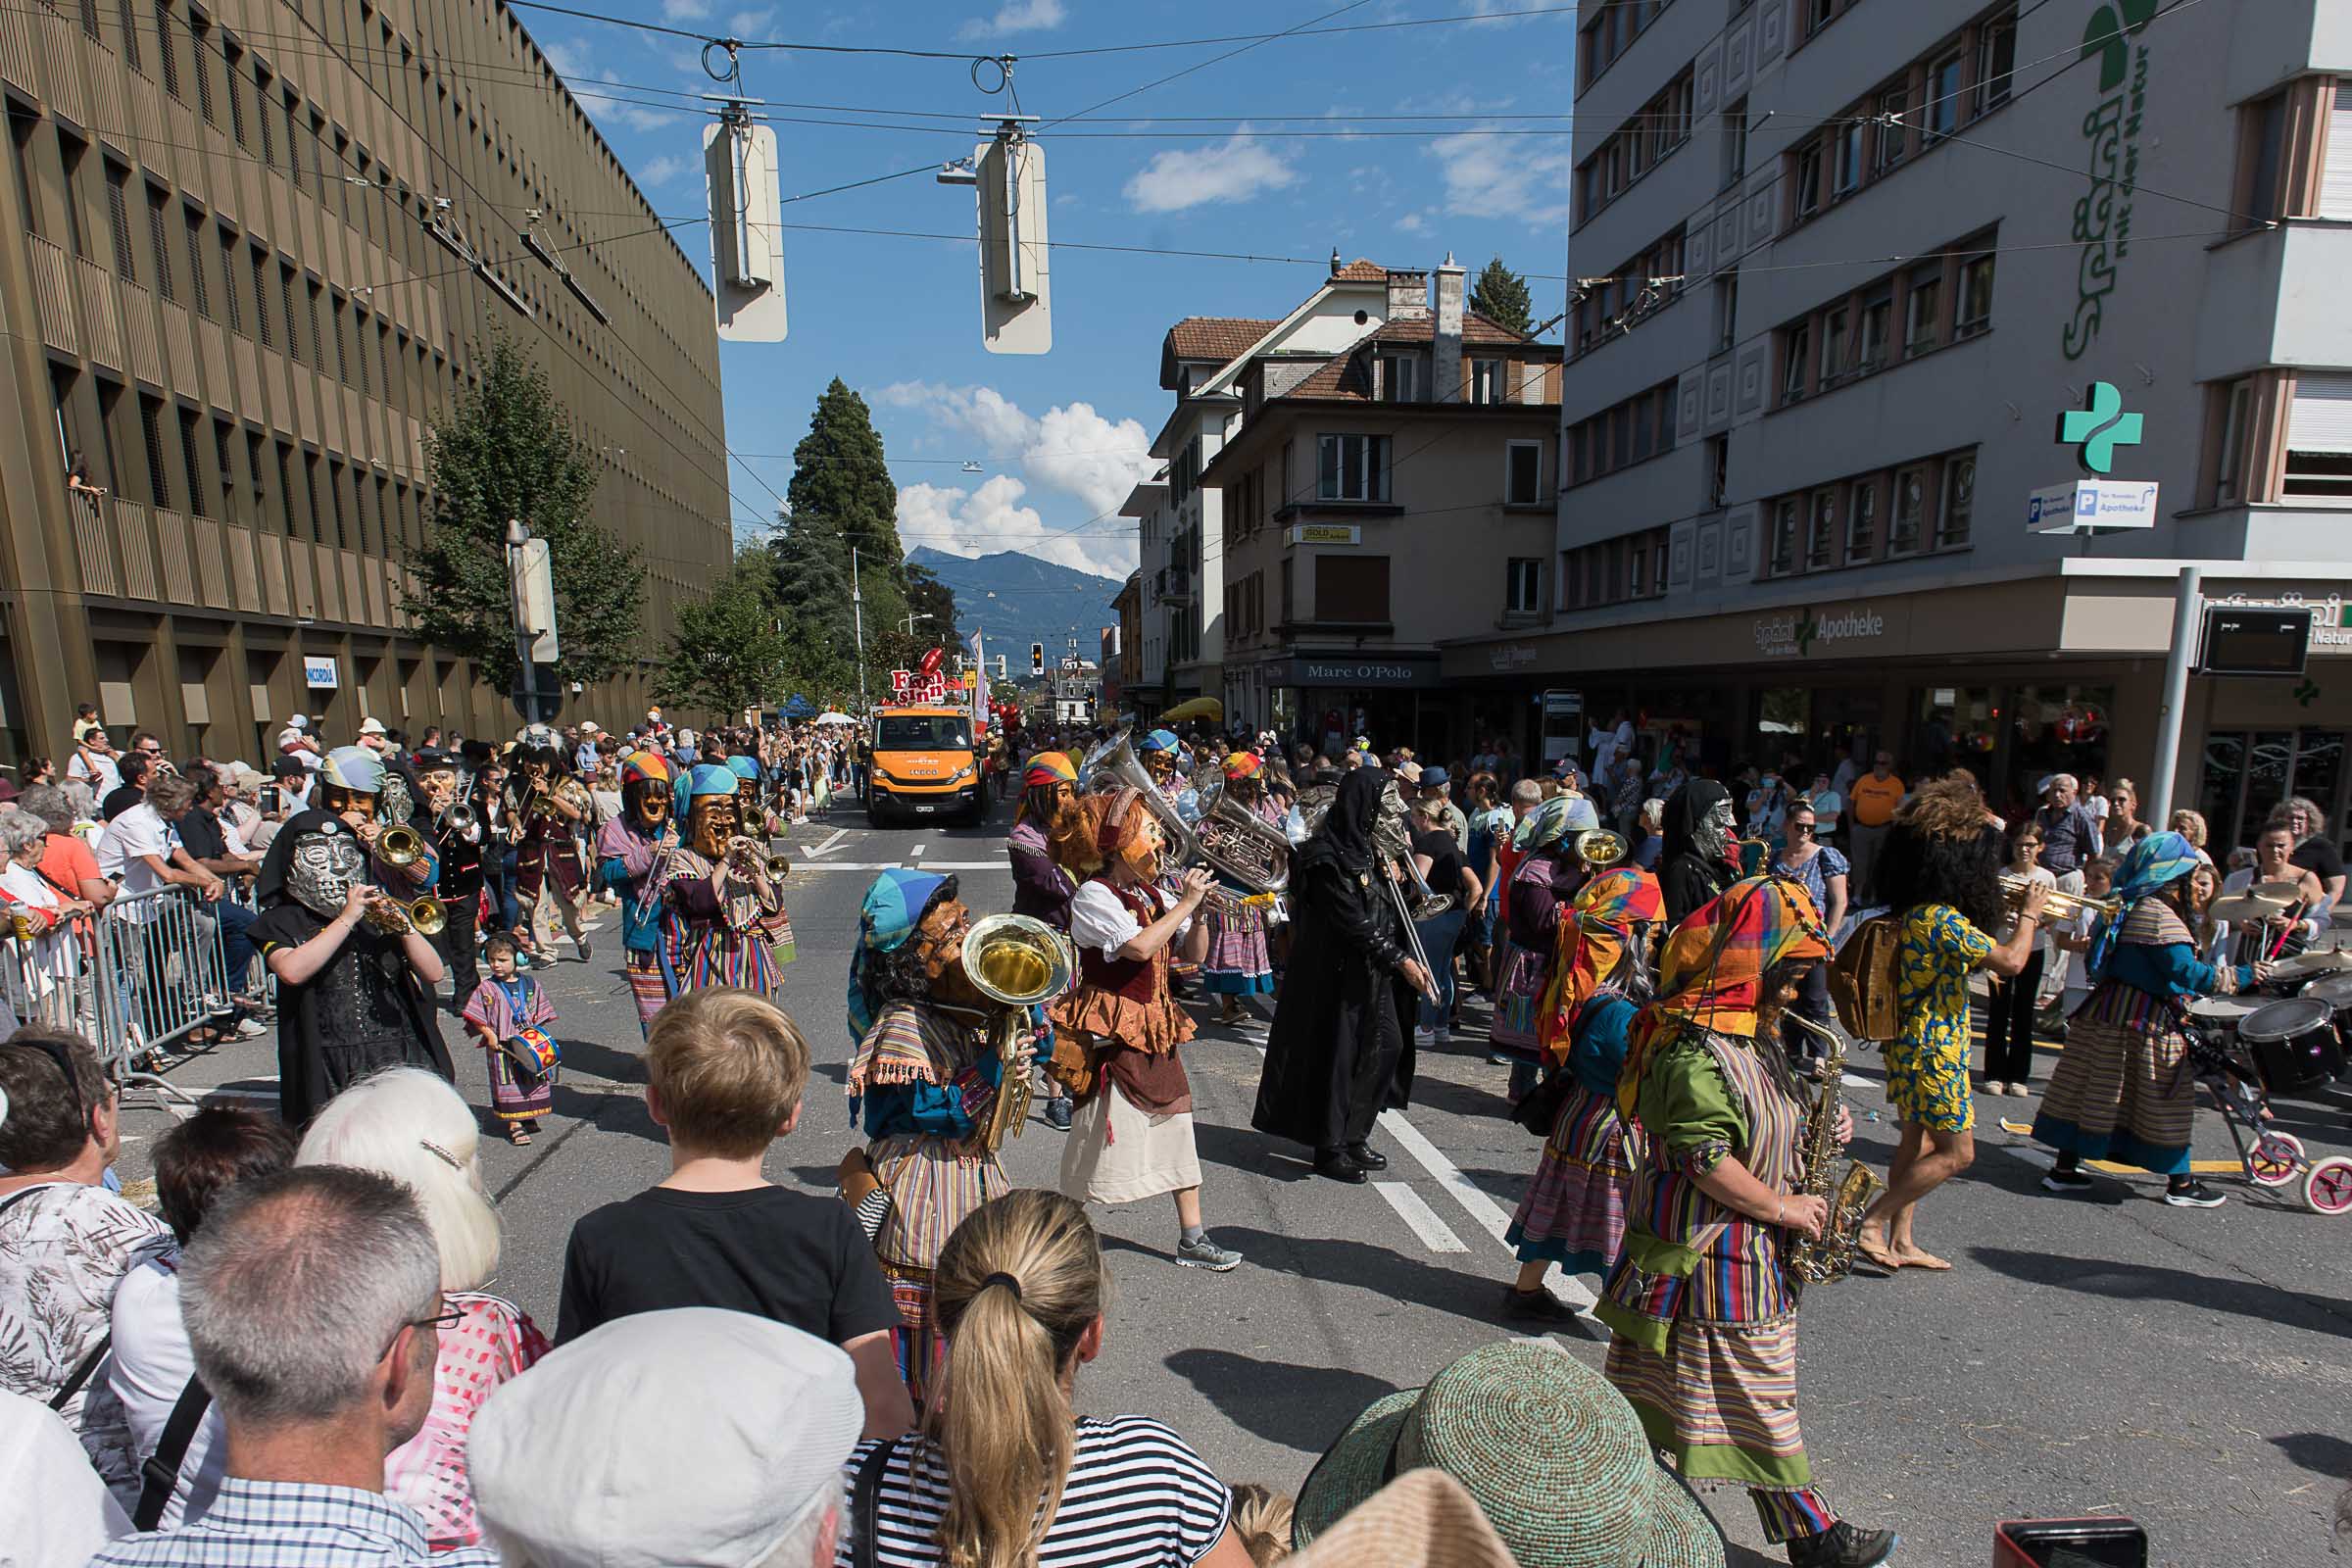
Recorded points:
508,450
926,595
1501,296
730,651
840,474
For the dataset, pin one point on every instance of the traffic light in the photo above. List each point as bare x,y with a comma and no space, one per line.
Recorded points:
1037,659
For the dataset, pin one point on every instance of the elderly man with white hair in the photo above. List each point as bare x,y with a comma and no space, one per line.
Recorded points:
2070,840
688,1436
312,1303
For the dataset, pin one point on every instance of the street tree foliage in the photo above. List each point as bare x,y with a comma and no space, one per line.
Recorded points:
1501,296
508,450
729,650
841,499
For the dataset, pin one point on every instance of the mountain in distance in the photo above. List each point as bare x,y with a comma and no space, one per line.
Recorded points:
1035,602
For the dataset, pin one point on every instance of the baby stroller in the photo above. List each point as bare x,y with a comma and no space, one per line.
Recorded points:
2241,1081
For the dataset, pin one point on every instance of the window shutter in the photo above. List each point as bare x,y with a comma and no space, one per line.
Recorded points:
2335,178
2320,420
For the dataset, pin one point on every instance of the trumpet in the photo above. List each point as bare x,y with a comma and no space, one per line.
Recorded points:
2055,904
461,822
426,917
400,846
744,855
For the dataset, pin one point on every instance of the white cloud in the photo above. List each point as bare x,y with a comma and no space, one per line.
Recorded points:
1016,15
1487,177
1412,224
568,56
750,23
665,168
1232,170
685,10
992,518
1071,449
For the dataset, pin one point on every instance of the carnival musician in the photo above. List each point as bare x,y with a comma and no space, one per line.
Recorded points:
1240,962
457,843
1549,873
723,920
1701,852
1573,1214
548,804
1116,1032
1046,832
921,1085
1698,1302
635,854
355,976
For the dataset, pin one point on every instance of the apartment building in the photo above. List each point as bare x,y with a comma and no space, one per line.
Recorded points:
1378,501
1845,266
1155,610
252,247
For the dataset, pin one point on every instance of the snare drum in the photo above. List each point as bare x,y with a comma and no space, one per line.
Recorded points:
2293,1044
2335,990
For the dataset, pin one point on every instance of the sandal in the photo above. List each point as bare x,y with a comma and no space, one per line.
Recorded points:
518,1136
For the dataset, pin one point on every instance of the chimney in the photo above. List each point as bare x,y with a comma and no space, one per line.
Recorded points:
1446,342
1409,296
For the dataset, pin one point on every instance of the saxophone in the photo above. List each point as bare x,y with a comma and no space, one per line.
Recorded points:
1848,1192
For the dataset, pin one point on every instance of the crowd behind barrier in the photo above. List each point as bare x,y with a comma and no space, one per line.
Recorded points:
142,973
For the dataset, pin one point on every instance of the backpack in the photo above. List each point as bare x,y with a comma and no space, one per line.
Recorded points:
1862,979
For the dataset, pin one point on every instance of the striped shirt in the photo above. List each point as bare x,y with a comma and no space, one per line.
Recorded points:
1138,1497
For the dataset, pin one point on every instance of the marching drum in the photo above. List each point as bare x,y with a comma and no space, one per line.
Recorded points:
2223,1013
2335,990
2293,1044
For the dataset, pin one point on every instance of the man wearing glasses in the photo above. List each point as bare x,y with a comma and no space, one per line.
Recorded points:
315,1383
65,1240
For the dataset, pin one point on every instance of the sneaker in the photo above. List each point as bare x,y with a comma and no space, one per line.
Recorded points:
1207,1254
249,1028
1841,1545
2196,1195
2020,1090
1057,1115
581,943
2055,1180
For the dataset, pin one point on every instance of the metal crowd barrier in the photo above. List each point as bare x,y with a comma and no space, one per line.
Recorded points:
144,971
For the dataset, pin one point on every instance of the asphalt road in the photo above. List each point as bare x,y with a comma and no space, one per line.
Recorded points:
2102,1354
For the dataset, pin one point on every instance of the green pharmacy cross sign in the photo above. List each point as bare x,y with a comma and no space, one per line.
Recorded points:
2099,429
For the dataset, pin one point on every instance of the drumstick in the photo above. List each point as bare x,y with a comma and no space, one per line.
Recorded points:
2294,919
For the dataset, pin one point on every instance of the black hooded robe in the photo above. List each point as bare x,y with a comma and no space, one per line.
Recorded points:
362,1011
1340,1051
1687,875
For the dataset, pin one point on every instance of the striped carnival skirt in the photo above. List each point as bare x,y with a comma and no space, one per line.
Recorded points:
1709,1361
1518,997
1239,963
932,1188
2121,1090
515,1097
1574,1210
645,985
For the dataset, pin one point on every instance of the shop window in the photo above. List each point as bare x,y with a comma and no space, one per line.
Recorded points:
1352,589
2055,729
1522,473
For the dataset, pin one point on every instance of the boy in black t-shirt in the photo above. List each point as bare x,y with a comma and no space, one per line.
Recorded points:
726,1069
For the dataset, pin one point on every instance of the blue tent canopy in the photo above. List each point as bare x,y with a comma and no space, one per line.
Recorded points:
797,707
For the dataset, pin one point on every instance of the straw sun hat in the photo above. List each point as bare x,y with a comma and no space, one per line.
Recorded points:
1554,1455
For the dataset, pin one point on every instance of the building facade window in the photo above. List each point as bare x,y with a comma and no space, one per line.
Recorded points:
1854,332
1522,473
1486,381
1351,468
1523,586
2319,437
1648,138
1642,426
1399,381
1958,511
158,243
1837,524
1611,571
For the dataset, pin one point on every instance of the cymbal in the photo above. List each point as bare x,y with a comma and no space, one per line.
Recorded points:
2319,960
2285,890
2248,908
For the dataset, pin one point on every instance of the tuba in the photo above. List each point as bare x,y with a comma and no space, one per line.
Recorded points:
1017,961
1112,766
1238,844
1848,1192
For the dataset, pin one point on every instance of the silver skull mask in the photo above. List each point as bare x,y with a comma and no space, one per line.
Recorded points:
324,869
1716,831
1390,824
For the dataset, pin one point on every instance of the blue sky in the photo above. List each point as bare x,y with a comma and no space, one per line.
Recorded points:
1061,436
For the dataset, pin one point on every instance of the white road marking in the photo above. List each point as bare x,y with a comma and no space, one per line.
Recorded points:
968,865
917,853
831,844
1423,1219
236,1094
1483,1210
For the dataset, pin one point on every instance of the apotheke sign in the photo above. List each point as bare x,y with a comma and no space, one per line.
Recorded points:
1796,634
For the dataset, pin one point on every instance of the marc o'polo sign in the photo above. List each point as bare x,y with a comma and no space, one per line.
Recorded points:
1312,670
1795,633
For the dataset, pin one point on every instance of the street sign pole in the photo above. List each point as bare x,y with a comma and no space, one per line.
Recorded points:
2177,664
857,610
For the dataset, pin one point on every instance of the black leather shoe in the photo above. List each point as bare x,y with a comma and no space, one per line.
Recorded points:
1366,1155
1336,1164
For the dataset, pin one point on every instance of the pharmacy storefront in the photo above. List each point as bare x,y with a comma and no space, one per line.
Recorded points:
2056,670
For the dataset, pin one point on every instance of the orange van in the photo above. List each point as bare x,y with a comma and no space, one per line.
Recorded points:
925,765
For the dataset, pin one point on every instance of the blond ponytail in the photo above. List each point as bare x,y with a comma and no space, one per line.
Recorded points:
1018,1286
